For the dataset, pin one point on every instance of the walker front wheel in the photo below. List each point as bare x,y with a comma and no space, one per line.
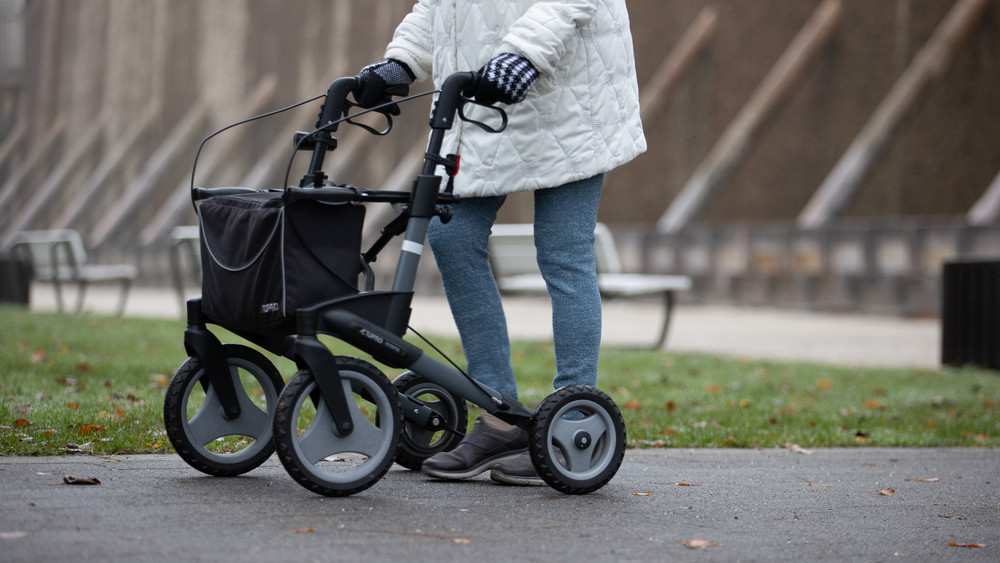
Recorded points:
577,440
315,454
196,423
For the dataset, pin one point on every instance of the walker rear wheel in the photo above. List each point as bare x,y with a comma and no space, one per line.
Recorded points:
577,439
419,443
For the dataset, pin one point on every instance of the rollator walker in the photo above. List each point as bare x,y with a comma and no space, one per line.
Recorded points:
340,423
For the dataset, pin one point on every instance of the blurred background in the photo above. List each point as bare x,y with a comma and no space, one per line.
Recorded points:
819,154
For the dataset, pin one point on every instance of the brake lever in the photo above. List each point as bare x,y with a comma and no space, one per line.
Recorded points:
466,99
385,111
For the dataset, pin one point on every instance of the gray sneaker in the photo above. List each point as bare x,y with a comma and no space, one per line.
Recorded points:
517,471
490,442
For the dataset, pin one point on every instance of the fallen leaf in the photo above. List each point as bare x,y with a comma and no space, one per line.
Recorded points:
38,356
308,530
632,404
69,480
21,423
795,448
886,492
88,429
713,389
643,494
952,517
810,484
66,381
927,480
461,540
825,384
23,409
699,543
953,544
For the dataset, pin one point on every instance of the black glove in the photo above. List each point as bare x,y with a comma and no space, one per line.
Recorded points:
378,82
506,78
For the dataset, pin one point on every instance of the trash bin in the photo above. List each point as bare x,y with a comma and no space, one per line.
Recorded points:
15,279
970,314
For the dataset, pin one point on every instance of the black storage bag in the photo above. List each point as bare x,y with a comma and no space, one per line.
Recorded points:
263,259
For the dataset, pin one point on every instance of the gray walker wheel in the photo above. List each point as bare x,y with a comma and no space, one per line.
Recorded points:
314,454
196,424
577,441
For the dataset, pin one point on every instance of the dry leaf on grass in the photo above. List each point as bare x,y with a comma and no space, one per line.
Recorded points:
699,543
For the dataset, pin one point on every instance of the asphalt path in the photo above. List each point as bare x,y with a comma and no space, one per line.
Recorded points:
859,504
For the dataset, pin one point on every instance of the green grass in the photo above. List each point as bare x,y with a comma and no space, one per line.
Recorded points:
97,384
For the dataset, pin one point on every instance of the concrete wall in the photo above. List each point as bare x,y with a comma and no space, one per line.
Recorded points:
101,65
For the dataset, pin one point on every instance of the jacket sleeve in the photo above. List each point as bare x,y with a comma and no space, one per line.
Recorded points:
412,43
543,32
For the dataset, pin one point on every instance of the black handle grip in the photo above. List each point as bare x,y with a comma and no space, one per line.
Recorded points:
336,97
450,98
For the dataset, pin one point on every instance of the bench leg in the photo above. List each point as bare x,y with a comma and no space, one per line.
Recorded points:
81,293
668,311
57,287
126,285
175,269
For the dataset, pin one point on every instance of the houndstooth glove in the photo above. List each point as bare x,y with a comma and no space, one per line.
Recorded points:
378,82
506,78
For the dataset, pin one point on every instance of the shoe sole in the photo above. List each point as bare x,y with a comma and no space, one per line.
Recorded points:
473,471
507,479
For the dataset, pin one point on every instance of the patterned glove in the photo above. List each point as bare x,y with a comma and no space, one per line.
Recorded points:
378,82
506,78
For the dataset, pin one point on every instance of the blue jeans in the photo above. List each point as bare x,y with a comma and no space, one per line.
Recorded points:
565,218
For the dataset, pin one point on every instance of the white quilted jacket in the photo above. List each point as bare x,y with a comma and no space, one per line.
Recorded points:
580,119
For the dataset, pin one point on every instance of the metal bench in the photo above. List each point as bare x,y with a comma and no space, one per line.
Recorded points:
512,257
60,257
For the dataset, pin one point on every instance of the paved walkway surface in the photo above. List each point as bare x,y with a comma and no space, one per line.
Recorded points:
743,505
860,504
735,331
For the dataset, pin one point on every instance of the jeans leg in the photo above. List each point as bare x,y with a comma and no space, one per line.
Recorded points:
460,252
565,218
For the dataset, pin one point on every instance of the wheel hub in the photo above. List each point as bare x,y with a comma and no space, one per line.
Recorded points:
582,439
